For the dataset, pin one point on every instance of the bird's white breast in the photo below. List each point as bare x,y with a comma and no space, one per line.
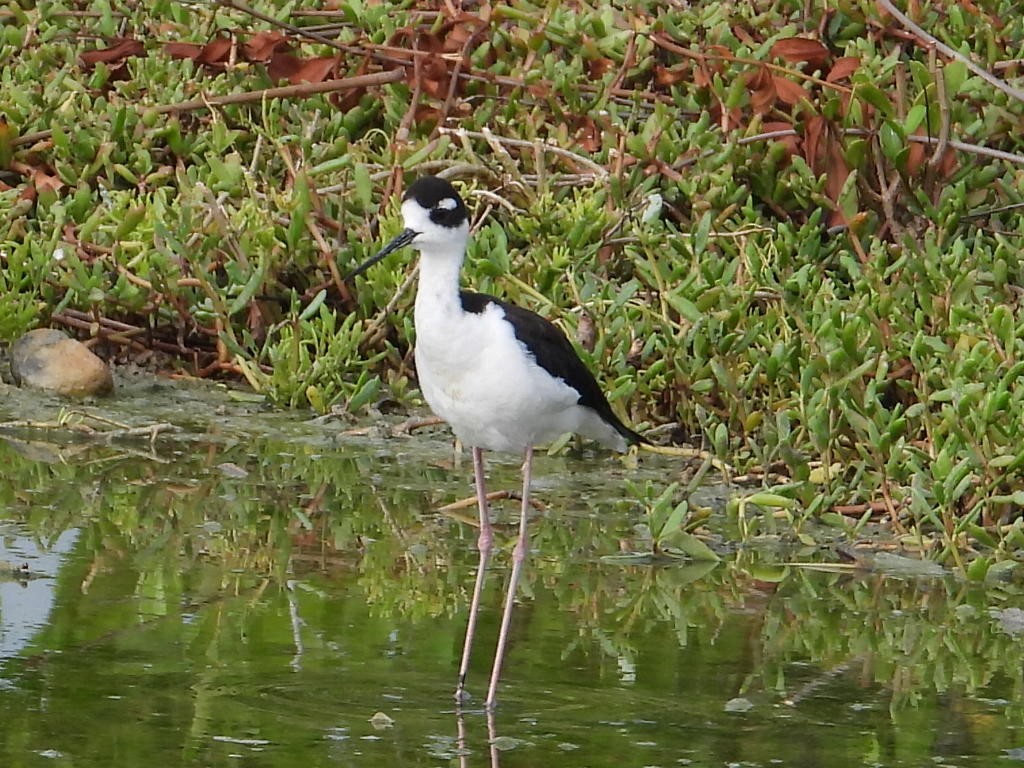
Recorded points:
476,375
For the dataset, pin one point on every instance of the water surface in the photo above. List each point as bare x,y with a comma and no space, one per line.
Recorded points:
262,589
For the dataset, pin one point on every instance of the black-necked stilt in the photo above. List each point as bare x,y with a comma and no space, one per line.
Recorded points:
504,378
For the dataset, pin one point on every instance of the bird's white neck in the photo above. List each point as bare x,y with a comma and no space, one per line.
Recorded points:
438,289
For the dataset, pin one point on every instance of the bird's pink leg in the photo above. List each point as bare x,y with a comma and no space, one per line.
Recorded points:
483,545
518,558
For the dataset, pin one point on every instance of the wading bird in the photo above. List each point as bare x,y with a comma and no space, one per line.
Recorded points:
504,378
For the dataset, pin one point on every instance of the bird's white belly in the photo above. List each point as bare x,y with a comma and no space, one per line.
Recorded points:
479,378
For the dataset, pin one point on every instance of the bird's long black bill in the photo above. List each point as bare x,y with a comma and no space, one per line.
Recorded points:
403,238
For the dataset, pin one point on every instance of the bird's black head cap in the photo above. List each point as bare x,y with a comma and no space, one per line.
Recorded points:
440,198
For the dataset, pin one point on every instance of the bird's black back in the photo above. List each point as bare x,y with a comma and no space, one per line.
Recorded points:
555,354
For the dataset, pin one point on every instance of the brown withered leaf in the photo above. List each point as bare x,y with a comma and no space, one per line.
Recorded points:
400,44
311,70
791,142
842,68
588,135
433,62
787,91
666,77
183,50
213,55
539,89
39,180
586,332
283,66
762,89
598,68
949,163
426,113
349,98
122,48
836,173
262,47
794,49
759,77
915,154
710,65
425,41
434,76
743,35
703,77
460,31
216,52
319,68
814,132
257,319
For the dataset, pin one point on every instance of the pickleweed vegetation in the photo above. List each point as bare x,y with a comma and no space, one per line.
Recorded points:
792,232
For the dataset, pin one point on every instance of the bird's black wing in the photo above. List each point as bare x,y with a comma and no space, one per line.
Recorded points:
555,354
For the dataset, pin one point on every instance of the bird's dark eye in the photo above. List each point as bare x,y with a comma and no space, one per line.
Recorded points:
448,212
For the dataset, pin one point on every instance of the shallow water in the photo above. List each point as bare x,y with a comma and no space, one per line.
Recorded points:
258,589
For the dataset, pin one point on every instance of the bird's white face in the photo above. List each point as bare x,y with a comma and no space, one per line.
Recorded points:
436,223
442,227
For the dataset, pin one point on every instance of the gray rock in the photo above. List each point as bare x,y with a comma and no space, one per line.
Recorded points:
49,359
